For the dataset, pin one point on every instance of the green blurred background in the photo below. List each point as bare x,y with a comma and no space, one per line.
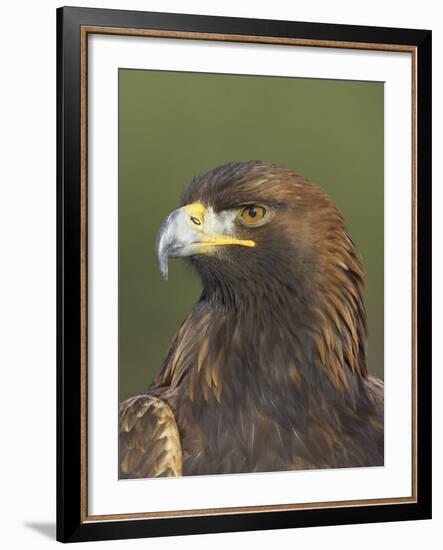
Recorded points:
175,124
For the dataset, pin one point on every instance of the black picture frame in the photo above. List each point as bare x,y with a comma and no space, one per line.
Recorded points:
71,523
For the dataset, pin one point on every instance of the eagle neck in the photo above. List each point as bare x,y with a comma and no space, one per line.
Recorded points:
291,331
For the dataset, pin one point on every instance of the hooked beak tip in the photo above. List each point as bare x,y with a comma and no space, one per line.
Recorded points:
161,252
162,259
164,270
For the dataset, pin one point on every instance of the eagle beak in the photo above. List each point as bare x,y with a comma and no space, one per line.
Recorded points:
192,230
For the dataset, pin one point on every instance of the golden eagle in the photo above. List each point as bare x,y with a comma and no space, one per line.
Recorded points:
268,371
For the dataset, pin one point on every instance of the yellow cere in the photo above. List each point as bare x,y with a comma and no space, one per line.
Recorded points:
196,210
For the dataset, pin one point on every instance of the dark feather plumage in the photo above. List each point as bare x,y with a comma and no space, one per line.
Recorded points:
268,371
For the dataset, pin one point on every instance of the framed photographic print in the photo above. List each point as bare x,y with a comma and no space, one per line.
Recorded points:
244,274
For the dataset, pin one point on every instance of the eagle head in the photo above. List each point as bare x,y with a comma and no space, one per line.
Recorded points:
259,223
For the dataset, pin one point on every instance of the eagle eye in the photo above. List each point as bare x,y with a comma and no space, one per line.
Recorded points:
253,215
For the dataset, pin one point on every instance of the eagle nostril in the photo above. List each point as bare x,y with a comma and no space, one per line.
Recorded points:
195,220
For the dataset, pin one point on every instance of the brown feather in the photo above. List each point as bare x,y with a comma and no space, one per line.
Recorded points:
149,439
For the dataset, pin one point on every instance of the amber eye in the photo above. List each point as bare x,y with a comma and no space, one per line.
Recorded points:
252,214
